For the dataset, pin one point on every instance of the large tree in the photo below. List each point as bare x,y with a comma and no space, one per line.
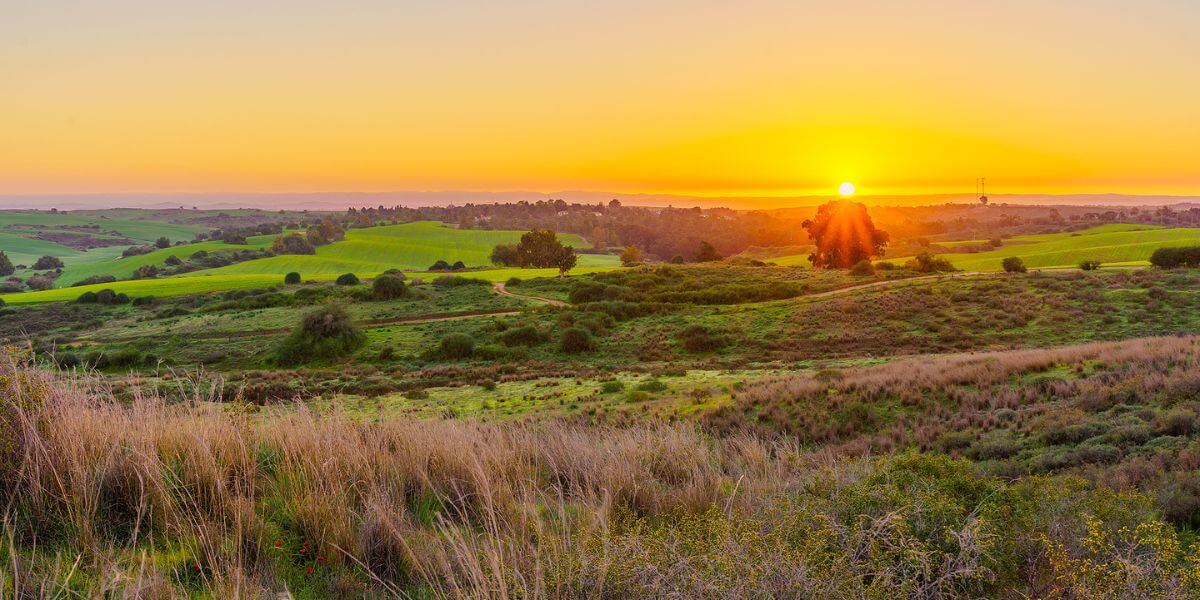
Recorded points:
541,248
844,235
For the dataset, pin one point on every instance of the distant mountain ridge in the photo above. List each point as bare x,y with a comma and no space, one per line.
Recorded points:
342,200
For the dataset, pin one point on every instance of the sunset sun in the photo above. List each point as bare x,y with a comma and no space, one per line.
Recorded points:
846,189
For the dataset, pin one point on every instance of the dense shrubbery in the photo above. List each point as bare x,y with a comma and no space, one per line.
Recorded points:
576,340
1170,258
525,335
928,263
389,287
456,346
1089,265
47,263
292,278
1013,264
656,511
347,279
323,334
454,281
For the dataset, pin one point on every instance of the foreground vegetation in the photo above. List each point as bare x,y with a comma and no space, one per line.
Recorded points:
195,499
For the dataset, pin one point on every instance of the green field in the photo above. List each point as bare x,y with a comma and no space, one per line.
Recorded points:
141,230
1118,244
108,261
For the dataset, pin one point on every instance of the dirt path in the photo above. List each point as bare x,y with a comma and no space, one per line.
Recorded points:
499,288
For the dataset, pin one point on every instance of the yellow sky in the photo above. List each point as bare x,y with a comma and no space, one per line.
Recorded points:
705,98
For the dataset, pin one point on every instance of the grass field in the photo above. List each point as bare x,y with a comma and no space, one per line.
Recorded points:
108,261
1123,244
1118,244
142,230
409,246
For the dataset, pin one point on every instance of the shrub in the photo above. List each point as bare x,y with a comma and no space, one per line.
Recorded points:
928,263
389,287
457,346
162,242
440,265
172,261
291,278
513,281
95,279
6,266
107,296
39,282
576,340
455,281
885,266
1013,264
47,263
1089,265
324,333
1169,258
458,266
145,272
652,386
697,338
136,251
526,335
347,279
862,268
611,387
677,259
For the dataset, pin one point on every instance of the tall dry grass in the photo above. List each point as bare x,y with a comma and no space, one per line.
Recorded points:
155,500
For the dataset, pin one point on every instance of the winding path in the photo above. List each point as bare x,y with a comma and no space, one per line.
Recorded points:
499,288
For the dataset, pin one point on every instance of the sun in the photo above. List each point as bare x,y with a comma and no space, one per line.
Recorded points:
846,189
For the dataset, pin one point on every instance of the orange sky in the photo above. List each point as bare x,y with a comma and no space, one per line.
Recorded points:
701,98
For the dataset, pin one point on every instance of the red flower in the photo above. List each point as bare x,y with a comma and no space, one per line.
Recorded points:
302,550
310,570
278,543
197,565
321,558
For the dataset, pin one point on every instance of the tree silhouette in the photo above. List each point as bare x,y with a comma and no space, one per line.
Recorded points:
844,235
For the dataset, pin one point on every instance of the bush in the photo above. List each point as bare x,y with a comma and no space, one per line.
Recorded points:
513,282
576,340
885,266
6,266
440,265
87,298
862,268
47,263
107,296
455,281
1170,258
347,279
928,263
95,279
172,261
145,272
1089,265
324,333
697,338
458,266
1013,264
291,278
611,387
526,335
457,346
651,385
39,282
389,287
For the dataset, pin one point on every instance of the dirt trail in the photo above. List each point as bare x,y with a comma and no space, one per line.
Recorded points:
499,288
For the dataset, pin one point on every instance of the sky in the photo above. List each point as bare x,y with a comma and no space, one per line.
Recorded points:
748,98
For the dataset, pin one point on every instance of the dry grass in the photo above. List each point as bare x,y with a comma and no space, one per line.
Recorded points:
153,500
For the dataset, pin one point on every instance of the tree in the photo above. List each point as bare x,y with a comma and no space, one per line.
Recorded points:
844,234
46,263
292,243
324,333
707,253
1013,264
6,266
1089,265
566,259
541,248
172,261
388,287
162,242
145,272
291,278
505,255
631,256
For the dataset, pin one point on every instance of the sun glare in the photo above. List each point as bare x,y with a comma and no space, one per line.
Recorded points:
846,189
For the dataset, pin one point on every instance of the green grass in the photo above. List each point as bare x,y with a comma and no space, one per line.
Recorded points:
142,230
1122,244
1110,244
24,251
409,246
111,262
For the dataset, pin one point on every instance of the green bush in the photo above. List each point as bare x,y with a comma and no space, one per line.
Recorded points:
1170,258
652,386
347,279
526,335
576,340
324,333
611,387
862,268
291,278
389,287
457,346
87,298
1089,265
1013,264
